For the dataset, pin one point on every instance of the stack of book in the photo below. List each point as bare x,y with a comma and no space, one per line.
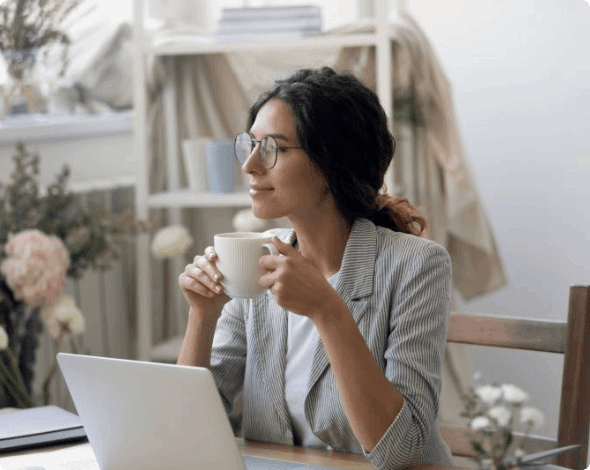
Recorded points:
264,23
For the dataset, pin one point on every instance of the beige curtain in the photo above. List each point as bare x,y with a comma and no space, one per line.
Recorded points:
431,167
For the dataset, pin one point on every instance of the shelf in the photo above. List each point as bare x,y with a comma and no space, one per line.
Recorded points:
189,198
199,45
173,43
44,127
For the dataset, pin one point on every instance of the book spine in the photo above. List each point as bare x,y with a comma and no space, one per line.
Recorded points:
247,14
261,36
270,25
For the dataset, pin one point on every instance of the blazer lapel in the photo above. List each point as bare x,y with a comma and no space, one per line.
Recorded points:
354,285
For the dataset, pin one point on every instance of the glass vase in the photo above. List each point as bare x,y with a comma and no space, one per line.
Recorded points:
22,94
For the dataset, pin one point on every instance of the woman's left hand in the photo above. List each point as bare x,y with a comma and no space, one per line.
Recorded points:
296,282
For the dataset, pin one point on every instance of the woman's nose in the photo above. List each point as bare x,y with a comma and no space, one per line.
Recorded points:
253,164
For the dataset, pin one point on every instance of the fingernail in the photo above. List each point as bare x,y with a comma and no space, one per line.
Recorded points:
217,277
218,288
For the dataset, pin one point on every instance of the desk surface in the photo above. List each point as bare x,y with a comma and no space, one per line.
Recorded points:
303,455
48,455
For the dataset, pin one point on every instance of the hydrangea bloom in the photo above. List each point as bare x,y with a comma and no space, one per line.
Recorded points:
36,267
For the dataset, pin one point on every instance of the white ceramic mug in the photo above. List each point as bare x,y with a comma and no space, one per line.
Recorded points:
221,163
196,164
238,255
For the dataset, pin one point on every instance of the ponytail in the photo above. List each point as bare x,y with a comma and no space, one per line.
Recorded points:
396,213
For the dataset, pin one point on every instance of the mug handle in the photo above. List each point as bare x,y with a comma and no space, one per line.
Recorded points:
271,248
273,251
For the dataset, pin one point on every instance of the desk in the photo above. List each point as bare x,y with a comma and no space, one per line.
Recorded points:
48,455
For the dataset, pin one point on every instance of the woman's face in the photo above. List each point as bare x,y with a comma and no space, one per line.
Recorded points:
294,187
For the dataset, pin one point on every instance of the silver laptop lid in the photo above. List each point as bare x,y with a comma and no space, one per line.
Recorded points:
145,415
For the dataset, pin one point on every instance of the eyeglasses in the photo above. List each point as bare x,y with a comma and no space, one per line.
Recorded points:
244,145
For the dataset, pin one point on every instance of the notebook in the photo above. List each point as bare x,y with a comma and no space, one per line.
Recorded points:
37,427
150,416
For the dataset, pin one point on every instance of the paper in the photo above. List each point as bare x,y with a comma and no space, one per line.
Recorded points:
76,457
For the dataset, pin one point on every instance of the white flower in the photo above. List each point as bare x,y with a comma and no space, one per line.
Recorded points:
530,415
501,414
513,394
519,453
488,464
64,314
479,423
171,241
488,394
3,338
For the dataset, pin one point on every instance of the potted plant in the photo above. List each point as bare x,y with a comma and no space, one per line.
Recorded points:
29,29
45,236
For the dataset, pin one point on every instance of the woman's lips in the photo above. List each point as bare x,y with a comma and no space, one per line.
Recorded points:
255,190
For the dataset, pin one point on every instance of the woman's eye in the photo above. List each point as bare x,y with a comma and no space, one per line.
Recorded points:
282,149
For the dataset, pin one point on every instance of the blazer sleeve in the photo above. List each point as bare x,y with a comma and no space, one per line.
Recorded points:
419,315
228,354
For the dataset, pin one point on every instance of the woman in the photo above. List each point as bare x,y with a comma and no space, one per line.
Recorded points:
345,350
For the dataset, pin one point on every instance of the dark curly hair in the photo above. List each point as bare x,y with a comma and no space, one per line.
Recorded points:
343,128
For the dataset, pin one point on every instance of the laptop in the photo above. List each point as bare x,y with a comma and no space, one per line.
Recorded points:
150,416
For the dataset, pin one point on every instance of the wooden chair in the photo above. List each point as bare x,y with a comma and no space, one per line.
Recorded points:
571,338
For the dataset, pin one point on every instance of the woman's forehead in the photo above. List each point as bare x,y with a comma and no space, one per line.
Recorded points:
274,117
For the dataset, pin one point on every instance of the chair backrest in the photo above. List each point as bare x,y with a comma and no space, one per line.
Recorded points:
571,338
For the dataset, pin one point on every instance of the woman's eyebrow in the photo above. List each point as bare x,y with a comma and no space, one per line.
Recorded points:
280,137
277,136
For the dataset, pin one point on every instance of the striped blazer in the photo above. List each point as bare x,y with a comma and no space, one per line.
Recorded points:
397,287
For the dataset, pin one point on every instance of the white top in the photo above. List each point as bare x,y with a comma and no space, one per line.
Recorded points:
301,343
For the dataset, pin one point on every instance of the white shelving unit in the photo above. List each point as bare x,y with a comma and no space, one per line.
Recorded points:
175,200
180,199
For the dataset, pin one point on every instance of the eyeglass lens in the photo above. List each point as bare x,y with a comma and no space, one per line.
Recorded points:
245,144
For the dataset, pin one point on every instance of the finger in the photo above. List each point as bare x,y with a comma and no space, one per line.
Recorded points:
210,253
192,285
267,280
269,262
207,273
283,248
209,267
201,276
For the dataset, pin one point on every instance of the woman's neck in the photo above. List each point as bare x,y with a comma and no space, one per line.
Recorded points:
322,240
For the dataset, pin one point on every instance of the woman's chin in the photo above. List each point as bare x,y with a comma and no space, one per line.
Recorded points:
264,212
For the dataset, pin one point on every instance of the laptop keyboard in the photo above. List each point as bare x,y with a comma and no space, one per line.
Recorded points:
261,463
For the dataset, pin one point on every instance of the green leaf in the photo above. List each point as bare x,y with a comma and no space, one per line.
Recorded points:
478,448
508,440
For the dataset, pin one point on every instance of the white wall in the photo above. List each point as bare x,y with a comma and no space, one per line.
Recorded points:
521,76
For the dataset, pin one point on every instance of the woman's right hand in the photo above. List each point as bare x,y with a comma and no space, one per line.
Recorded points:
201,283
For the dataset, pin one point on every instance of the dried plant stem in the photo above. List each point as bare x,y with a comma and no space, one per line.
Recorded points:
103,313
53,369
14,383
